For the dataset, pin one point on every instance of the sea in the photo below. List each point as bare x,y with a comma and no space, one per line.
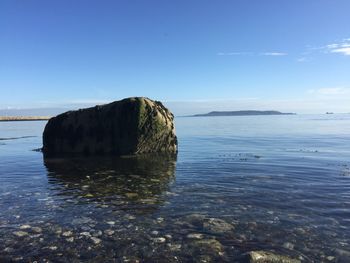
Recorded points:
278,184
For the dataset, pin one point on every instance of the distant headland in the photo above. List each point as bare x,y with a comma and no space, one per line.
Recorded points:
240,113
24,118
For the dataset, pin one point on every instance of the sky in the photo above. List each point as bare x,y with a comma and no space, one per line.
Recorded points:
194,55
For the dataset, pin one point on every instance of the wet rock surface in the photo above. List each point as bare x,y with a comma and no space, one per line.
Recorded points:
130,126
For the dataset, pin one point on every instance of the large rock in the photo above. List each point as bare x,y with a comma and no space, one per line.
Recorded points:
130,126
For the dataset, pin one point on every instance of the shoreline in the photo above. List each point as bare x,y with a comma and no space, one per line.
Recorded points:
24,118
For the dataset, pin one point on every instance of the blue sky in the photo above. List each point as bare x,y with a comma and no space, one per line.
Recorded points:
194,55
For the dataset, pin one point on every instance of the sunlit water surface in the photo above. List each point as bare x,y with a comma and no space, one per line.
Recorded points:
275,183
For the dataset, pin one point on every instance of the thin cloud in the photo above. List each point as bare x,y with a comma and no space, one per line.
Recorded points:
337,47
335,91
235,53
303,59
252,54
344,50
343,47
273,54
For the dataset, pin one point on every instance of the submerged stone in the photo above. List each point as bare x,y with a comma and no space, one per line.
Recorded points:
25,227
96,240
159,240
109,232
206,247
67,233
216,225
37,229
20,233
130,126
288,245
70,239
269,257
131,195
195,236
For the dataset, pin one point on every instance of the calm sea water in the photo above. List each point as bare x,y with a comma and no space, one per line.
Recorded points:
274,183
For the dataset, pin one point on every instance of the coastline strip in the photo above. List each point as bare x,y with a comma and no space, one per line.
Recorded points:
24,118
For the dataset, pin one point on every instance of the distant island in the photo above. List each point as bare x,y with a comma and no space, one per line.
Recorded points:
24,118
240,113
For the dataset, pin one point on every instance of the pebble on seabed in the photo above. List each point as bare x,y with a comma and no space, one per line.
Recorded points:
288,245
174,247
37,229
266,256
20,233
195,236
109,232
160,219
97,233
24,227
216,225
211,245
96,240
154,233
67,233
159,240
86,234
70,239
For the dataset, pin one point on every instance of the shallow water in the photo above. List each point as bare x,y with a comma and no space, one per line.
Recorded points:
275,183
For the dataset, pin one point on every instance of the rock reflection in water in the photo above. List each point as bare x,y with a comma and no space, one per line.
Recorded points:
130,181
